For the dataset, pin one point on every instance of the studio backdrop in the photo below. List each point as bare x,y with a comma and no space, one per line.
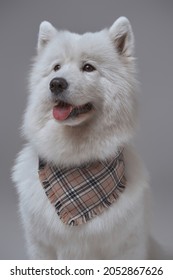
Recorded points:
152,23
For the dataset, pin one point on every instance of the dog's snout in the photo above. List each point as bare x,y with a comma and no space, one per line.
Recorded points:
58,85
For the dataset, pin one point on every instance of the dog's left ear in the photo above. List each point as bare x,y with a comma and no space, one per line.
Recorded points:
122,36
46,32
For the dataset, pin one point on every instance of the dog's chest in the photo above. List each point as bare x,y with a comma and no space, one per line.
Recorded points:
93,240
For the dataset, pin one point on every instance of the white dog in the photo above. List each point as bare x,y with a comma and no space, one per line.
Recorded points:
82,189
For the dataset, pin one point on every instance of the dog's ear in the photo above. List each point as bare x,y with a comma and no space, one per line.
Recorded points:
122,36
46,33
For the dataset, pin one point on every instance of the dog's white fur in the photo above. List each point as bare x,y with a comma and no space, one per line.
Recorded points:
121,232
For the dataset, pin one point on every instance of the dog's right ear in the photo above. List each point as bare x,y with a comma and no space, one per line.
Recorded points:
46,33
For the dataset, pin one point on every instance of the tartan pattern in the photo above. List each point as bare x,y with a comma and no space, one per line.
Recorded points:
81,193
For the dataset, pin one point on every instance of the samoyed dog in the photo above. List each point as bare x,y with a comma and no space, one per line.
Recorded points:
83,190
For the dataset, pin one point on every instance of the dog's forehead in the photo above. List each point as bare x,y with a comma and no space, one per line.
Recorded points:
93,42
75,45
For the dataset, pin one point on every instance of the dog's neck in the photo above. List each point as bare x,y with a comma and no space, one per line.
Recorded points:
76,146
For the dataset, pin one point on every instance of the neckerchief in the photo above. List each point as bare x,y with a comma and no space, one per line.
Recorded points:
81,193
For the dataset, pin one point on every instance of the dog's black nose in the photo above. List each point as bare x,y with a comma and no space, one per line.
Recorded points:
58,85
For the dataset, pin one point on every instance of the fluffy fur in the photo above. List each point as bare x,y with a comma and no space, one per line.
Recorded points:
121,232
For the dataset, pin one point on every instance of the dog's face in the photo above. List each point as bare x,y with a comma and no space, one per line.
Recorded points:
82,80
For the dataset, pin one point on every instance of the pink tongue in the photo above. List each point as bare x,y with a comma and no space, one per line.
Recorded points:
61,113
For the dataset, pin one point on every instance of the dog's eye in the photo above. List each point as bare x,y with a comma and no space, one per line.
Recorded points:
88,68
57,67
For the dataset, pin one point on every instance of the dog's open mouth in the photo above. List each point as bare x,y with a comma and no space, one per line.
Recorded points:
63,110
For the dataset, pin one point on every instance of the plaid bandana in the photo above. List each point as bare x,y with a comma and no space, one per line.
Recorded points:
81,193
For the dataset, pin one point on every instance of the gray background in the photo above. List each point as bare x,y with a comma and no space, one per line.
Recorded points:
152,22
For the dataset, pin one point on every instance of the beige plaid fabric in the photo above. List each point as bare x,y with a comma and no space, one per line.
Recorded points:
81,193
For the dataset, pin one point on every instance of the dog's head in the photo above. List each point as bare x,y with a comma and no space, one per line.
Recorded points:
82,86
